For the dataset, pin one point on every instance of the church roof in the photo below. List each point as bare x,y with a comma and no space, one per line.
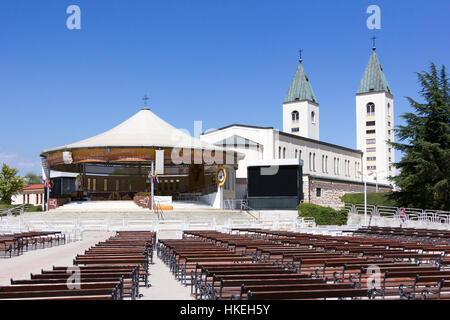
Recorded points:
300,88
235,141
373,79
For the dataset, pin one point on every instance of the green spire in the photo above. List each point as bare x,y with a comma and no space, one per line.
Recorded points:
300,88
373,79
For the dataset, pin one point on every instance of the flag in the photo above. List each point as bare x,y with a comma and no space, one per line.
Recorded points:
48,184
155,179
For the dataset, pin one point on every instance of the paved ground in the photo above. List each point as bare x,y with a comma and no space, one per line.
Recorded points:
163,284
117,214
34,260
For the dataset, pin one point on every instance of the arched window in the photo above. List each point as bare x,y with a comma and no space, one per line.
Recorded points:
284,153
389,109
295,116
370,109
313,117
296,153
279,152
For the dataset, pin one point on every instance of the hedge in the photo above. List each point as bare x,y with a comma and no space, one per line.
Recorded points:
28,208
322,215
373,198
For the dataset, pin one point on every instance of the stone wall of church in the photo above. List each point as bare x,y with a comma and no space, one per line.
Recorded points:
331,191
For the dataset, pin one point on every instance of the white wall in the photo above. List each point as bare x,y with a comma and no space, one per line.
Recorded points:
381,118
272,140
307,128
35,199
262,136
318,150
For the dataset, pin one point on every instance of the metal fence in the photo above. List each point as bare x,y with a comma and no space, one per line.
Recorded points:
76,227
412,214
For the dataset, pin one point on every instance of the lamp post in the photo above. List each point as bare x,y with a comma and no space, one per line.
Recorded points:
376,177
365,194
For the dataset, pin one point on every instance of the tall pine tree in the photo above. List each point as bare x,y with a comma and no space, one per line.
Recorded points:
425,142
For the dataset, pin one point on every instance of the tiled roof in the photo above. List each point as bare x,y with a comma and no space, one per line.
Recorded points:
373,79
34,186
300,88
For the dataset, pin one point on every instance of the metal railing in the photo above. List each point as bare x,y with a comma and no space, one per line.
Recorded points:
17,210
411,214
158,210
76,227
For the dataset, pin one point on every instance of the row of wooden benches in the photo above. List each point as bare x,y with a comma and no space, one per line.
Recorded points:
202,252
15,244
112,269
426,234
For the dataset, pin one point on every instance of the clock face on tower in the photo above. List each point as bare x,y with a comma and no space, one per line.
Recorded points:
221,176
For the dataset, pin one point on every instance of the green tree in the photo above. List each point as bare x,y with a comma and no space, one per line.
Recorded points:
32,178
425,143
10,183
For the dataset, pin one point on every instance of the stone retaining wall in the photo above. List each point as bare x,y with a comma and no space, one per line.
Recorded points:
332,190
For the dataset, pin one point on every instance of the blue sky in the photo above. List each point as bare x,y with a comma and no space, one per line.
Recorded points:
217,61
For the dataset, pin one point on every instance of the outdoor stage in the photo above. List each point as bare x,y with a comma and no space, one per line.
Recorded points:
142,156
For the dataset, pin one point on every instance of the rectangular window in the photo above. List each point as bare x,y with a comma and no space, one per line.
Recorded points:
371,141
389,123
105,184
371,167
371,149
310,161
370,131
318,192
295,129
371,158
370,123
314,162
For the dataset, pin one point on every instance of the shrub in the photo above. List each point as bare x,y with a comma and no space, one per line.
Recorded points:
373,198
322,215
32,208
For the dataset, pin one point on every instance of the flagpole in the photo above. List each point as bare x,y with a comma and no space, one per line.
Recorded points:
152,184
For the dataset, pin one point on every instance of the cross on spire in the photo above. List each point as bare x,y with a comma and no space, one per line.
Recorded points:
373,43
300,55
146,98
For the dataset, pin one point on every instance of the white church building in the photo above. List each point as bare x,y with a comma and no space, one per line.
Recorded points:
329,170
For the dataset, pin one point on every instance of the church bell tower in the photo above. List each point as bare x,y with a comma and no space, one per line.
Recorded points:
300,107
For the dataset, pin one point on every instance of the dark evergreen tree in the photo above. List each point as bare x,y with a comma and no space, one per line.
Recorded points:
425,142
